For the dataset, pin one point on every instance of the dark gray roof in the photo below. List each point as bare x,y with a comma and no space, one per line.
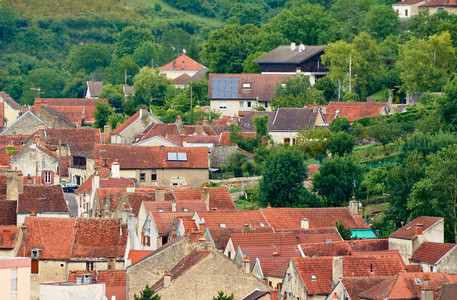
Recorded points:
284,55
284,119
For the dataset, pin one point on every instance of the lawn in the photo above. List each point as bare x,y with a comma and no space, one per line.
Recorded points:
380,96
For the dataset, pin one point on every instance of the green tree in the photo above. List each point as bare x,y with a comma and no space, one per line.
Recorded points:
313,142
147,294
89,57
249,67
328,87
292,92
339,124
101,114
282,183
340,143
383,132
51,82
146,54
443,55
150,86
382,21
7,22
130,38
336,178
336,56
344,231
246,13
221,296
239,164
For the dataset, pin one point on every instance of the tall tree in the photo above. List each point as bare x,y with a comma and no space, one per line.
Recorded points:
101,114
89,57
147,294
150,86
340,143
130,38
382,21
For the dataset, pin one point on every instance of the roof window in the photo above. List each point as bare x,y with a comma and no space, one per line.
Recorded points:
160,209
246,86
261,224
222,225
418,281
185,209
408,228
176,156
313,277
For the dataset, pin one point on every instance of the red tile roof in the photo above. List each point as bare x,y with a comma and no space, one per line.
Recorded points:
100,238
94,87
183,63
10,101
282,252
182,79
404,286
170,132
321,267
135,117
275,267
221,236
42,199
372,266
136,255
72,136
434,3
166,206
86,187
164,220
290,218
109,277
408,231
8,214
408,2
233,219
290,238
5,241
133,157
432,253
354,110
356,285
344,248
219,197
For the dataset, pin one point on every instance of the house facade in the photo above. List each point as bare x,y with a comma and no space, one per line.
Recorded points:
408,8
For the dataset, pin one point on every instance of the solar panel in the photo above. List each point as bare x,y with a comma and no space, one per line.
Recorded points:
225,88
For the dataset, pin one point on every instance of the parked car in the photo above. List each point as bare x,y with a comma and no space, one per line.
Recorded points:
69,187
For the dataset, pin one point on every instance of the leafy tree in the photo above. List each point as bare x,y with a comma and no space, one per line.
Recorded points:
282,183
336,56
351,16
344,231
101,113
146,54
328,87
147,294
221,296
89,57
382,21
443,55
292,92
351,97
130,38
334,181
313,142
50,81
261,129
339,124
149,85
7,22
249,67
383,132
246,13
340,143
239,164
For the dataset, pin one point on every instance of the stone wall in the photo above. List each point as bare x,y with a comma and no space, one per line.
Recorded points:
53,120
236,183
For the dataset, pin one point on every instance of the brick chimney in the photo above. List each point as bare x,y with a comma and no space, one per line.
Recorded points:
205,195
160,195
337,269
6,237
115,170
235,119
419,228
179,124
246,265
167,279
314,107
205,122
131,188
304,223
107,131
276,253
199,127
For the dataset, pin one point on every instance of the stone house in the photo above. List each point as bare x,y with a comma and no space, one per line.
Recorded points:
352,110
59,245
408,8
26,124
410,237
436,257
351,287
10,240
54,118
85,193
125,133
271,270
11,109
105,200
115,281
436,6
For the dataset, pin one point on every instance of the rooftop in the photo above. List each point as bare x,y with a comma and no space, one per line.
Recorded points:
408,231
183,63
284,55
432,253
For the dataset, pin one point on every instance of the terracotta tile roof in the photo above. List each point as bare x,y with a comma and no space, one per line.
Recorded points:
136,255
42,232
189,225
355,110
413,268
182,79
8,212
356,285
109,192
219,197
283,253
72,136
109,277
256,295
136,198
408,231
321,267
42,199
94,87
115,182
275,267
132,157
284,119
10,101
221,236
434,3
3,186
183,63
5,241
164,220
404,286
408,2
135,117
233,219
290,218
166,206
290,238
284,55
169,132
100,238
343,248
185,264
86,187
372,266
432,253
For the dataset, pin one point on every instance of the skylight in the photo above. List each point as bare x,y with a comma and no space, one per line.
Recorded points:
185,209
261,224
222,225
313,277
418,281
176,156
160,209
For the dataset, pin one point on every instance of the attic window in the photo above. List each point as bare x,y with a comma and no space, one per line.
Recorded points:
185,209
313,277
246,86
222,225
160,209
177,156
418,281
261,224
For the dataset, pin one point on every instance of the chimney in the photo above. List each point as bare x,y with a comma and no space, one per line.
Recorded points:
354,207
304,223
427,280
131,227
324,109
107,131
292,46
20,183
201,242
235,120
179,124
205,195
6,237
12,185
314,107
205,122
167,279
199,127
131,188
246,265
183,65
276,253
111,263
173,205
115,170
160,195
419,228
95,182
143,111
337,269
301,48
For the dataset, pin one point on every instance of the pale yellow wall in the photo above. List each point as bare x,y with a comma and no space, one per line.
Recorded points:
449,9
23,283
403,246
233,106
340,292
172,74
93,291
11,114
413,10
279,136
166,177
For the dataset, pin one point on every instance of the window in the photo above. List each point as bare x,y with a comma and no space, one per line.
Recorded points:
222,105
222,225
47,177
418,281
160,209
241,104
266,104
246,86
406,12
249,104
313,277
35,267
153,177
283,85
185,209
261,224
440,9
286,140
176,156
142,177
14,279
90,266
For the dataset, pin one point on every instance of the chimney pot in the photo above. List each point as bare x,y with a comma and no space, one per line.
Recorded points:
246,265
115,170
419,228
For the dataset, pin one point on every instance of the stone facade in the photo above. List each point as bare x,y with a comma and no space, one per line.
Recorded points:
126,137
27,124
292,286
52,119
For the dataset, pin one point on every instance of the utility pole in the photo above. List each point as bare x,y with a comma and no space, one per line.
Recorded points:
350,73
38,91
60,161
125,77
191,99
339,91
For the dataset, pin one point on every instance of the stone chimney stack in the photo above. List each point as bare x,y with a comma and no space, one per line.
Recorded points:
292,46
160,195
199,127
131,188
205,195
173,205
12,185
304,223
179,124
354,207
314,107
205,122
143,111
107,131
246,265
235,120
419,228
427,293
337,269
95,182
115,170
167,279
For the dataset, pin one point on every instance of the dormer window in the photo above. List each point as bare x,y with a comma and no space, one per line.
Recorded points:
222,225
246,86
418,281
